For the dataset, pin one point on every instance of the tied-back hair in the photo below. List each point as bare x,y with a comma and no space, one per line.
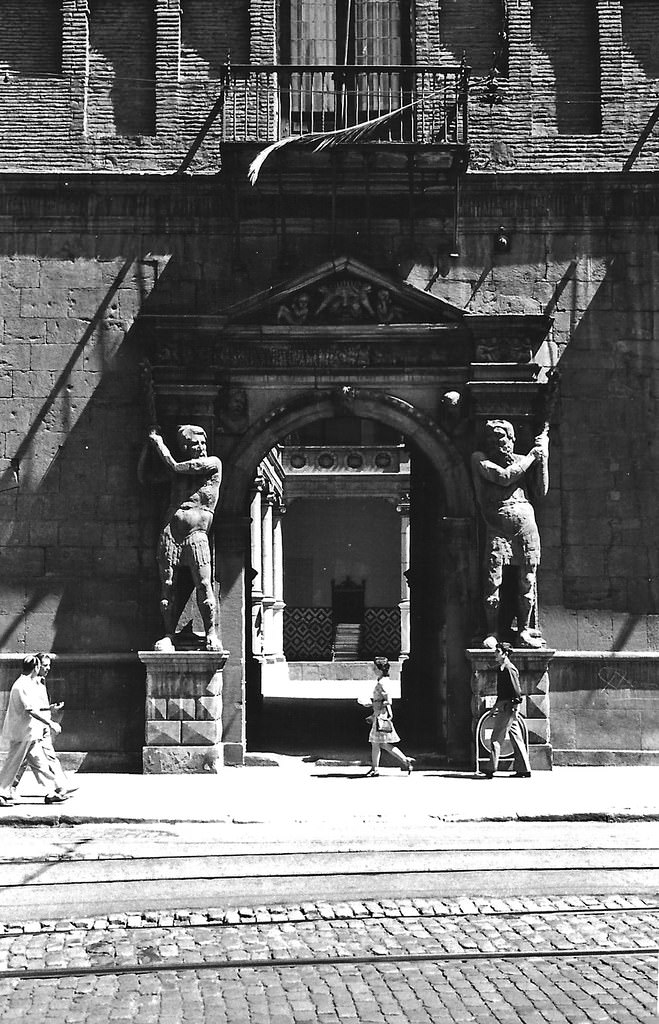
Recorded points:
382,664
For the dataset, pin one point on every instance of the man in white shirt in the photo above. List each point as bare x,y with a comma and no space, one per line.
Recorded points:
25,725
62,784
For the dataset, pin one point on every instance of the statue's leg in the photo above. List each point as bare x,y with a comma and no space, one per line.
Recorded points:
526,597
168,559
492,592
209,610
206,600
527,600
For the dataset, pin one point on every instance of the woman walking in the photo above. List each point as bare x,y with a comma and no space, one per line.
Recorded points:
383,734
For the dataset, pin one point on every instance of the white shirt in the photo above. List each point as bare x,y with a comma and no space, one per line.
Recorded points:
27,694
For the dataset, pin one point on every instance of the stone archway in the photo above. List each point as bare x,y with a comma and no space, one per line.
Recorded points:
443,569
366,403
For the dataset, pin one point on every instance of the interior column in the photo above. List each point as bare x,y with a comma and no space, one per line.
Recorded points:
403,509
278,582
256,537
268,574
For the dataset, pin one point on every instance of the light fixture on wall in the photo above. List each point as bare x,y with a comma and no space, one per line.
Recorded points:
501,241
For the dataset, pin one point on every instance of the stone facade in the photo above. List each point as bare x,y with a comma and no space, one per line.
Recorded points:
98,235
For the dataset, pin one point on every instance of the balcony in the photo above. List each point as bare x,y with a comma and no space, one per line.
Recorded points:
268,102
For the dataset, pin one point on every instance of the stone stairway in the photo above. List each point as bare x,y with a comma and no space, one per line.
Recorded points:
347,641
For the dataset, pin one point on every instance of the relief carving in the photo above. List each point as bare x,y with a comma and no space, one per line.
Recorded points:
343,301
503,350
233,411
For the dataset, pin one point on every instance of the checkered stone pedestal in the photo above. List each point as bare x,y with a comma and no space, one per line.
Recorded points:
533,667
183,714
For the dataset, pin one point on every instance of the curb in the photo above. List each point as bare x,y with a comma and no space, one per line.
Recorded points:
54,820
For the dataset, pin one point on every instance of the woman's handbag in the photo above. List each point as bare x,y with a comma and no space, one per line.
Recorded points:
383,723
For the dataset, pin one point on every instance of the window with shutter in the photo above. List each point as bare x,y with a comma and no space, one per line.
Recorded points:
330,34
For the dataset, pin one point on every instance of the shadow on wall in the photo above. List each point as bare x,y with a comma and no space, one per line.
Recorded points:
31,54
639,41
607,450
122,68
209,37
78,534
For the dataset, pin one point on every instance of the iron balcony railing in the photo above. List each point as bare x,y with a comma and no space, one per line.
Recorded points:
268,102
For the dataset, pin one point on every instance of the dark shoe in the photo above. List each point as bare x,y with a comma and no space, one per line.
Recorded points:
6,801
372,774
56,798
521,775
487,775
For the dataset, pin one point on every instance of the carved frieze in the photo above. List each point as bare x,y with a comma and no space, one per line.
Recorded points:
448,349
343,300
503,350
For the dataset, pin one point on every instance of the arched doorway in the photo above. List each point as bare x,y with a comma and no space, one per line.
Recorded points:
442,573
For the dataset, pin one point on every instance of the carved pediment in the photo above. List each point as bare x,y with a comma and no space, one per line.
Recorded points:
345,315
341,293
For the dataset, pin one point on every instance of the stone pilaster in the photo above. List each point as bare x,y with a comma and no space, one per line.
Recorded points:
533,666
75,58
232,545
183,714
168,51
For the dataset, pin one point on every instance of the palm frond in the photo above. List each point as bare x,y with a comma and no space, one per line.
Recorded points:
323,140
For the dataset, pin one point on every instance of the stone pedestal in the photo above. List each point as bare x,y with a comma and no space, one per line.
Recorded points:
183,728
533,667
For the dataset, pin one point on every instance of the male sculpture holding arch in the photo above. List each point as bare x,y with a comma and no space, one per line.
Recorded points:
502,481
195,489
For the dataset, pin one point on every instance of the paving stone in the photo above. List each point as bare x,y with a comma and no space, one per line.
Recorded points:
466,990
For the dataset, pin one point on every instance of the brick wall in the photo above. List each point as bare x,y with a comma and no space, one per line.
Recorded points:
565,77
121,97
210,34
476,31
640,65
152,69
37,52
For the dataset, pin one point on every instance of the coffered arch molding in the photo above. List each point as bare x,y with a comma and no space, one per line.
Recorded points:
415,425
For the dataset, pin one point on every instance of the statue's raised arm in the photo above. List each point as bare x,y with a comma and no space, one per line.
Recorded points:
503,481
184,540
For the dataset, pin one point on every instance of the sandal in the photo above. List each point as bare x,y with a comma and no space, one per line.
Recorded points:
411,761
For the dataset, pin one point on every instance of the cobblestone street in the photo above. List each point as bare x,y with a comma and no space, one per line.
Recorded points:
548,959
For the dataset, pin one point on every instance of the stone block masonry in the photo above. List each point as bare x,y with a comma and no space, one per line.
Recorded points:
183,730
71,413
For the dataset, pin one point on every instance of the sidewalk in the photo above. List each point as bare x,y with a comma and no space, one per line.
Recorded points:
297,792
